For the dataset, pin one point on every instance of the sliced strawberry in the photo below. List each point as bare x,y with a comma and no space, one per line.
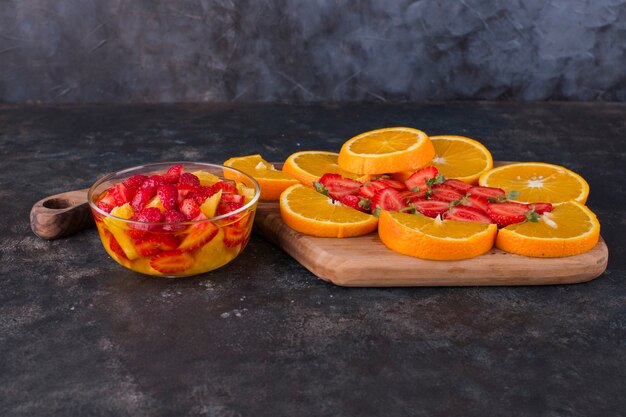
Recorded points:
356,202
227,186
337,186
190,208
233,236
369,188
541,208
430,208
148,215
508,213
398,185
121,194
174,216
201,193
143,196
188,179
151,243
467,214
173,174
116,248
458,184
487,192
168,194
410,196
171,262
107,202
224,207
135,182
388,199
442,192
152,182
198,234
417,180
476,201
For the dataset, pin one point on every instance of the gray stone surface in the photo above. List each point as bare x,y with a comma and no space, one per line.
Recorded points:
304,50
82,336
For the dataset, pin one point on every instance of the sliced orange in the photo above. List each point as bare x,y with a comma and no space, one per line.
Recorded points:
272,181
569,229
460,157
386,150
309,212
538,182
435,239
309,166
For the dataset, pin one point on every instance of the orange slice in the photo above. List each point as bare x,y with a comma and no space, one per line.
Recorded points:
309,166
272,181
569,229
386,150
459,157
309,212
436,239
538,182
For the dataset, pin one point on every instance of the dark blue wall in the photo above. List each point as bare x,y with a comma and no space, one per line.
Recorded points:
311,50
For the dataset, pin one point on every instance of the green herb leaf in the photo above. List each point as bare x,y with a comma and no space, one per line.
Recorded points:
512,195
376,212
532,216
320,188
365,204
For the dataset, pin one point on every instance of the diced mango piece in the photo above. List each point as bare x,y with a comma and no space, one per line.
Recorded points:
210,204
124,211
247,192
206,178
156,202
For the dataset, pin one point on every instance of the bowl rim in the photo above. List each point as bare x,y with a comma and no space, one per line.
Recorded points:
110,175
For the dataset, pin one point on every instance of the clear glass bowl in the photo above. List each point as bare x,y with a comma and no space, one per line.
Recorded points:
175,249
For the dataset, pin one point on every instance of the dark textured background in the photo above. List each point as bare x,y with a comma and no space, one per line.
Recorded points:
311,50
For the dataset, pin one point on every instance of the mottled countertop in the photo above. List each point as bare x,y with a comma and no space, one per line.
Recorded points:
82,336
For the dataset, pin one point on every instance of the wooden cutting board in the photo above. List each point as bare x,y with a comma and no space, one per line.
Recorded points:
365,261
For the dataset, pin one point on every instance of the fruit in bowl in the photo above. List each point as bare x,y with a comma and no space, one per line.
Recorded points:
174,219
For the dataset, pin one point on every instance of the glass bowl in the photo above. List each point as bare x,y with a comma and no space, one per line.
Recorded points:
178,249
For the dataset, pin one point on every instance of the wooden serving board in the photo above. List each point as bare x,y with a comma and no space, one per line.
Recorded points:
365,261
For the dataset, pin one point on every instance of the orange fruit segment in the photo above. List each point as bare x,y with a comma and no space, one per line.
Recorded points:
309,212
309,166
271,181
386,150
460,157
538,182
569,229
427,238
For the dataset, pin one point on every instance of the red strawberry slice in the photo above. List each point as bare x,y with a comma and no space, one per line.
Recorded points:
337,186
467,214
430,208
173,174
476,201
398,185
458,184
388,199
541,208
116,248
135,182
168,194
143,197
356,202
188,179
198,234
233,236
189,208
410,196
508,213
186,190
445,193
487,192
201,193
121,194
369,189
174,216
107,202
417,180
227,186
233,198
148,215
151,243
171,262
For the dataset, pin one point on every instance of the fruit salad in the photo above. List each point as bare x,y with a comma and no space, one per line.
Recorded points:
174,220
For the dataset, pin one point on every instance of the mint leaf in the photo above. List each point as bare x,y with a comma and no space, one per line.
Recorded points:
376,212
532,216
365,204
512,195
320,188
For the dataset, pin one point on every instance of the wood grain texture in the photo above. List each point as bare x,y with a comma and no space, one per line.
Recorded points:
366,262
61,215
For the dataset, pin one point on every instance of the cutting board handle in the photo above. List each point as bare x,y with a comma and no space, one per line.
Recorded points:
61,215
